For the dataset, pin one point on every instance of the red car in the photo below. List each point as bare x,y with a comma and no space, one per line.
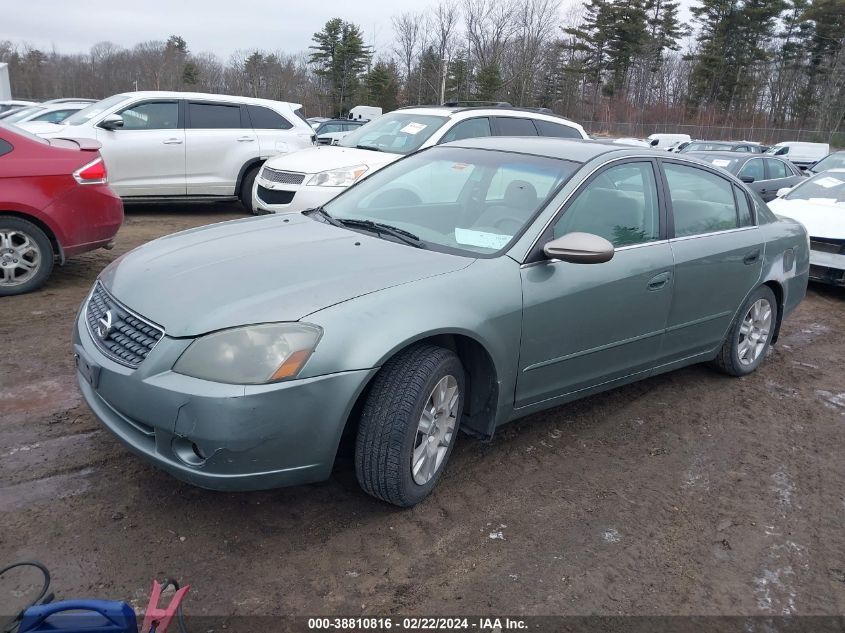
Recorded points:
54,203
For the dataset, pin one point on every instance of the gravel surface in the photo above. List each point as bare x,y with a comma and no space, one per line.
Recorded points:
689,493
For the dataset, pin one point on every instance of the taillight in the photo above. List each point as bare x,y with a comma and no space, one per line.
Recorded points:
92,174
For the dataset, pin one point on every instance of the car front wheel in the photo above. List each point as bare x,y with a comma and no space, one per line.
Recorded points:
750,335
26,256
409,423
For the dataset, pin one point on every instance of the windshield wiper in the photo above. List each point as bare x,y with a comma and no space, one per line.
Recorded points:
323,214
381,228
369,147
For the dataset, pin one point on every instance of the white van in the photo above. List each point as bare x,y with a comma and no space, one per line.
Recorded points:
665,141
364,113
800,153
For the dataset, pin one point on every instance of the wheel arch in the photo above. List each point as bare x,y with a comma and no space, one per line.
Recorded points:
777,289
482,385
58,251
245,168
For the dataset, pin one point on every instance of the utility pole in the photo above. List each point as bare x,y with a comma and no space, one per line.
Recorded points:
443,82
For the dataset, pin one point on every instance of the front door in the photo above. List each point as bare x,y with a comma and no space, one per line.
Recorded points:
591,324
718,253
146,157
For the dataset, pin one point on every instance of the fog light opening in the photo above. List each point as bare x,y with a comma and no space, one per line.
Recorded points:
188,452
197,451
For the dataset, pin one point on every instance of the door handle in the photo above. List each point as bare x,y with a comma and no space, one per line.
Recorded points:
660,281
752,257
172,141
245,139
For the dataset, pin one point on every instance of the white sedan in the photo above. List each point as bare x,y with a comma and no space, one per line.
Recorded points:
819,204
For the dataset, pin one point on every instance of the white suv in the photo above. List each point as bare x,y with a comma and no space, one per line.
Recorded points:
185,146
312,177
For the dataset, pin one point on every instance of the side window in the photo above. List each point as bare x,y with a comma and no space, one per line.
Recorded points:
753,168
267,119
702,202
213,116
329,128
471,128
55,116
742,148
557,130
777,169
5,147
151,115
511,126
743,208
620,205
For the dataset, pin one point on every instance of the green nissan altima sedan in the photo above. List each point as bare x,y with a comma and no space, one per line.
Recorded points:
462,287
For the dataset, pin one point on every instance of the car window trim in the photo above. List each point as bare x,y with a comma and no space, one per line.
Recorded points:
535,252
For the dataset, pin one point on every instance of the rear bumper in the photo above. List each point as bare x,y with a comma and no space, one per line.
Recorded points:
89,216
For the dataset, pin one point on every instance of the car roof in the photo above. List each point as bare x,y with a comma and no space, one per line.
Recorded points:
578,150
205,96
725,154
486,110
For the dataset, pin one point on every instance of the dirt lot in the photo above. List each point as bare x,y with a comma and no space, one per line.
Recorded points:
690,493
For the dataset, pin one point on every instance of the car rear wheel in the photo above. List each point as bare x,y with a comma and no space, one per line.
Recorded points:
409,423
750,335
26,256
246,191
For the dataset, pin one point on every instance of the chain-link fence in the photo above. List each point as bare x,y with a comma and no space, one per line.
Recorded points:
767,135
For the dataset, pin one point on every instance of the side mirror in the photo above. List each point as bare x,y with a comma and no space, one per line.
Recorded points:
112,122
747,179
580,248
654,142
783,191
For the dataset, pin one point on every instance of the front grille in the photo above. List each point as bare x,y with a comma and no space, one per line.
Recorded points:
282,177
130,337
833,246
272,196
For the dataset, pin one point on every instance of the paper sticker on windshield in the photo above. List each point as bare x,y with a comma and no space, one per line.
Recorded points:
413,128
721,162
828,181
459,166
481,238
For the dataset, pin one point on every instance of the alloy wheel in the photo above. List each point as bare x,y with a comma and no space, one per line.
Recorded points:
20,257
754,332
435,430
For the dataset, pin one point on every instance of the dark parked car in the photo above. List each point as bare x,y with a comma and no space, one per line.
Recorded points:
765,175
461,287
723,146
54,203
834,160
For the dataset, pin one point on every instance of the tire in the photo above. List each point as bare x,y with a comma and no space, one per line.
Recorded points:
738,357
389,428
246,190
22,242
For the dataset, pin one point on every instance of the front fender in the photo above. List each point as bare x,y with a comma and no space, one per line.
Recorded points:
482,301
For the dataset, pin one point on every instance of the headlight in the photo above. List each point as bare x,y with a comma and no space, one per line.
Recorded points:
251,355
342,177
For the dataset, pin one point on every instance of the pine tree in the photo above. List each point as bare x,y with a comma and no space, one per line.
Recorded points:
340,56
383,86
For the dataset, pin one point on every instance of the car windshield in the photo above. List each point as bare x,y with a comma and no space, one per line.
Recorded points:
88,113
704,147
828,187
397,132
456,200
22,114
719,160
833,161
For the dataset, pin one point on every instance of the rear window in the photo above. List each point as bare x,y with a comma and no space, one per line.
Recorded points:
557,130
267,119
511,126
13,129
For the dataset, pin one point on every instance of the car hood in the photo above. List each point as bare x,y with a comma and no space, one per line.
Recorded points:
317,159
821,219
260,270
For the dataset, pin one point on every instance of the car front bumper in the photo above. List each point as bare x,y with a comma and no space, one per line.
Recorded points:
214,435
285,198
826,265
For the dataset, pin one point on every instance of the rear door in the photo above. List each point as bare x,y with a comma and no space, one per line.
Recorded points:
219,141
146,157
590,324
276,135
779,174
718,252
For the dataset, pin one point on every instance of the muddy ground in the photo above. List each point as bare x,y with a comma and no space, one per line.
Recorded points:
690,493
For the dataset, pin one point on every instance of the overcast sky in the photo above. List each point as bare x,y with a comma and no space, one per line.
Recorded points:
218,26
